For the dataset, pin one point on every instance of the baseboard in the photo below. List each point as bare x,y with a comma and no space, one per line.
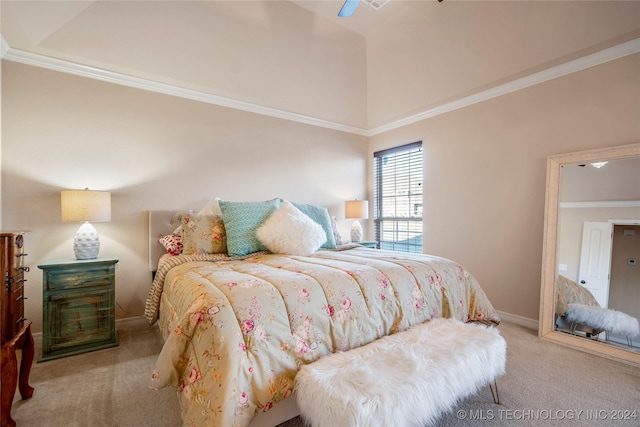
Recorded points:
118,321
129,319
519,320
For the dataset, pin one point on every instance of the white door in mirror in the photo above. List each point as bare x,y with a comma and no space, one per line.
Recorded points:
595,259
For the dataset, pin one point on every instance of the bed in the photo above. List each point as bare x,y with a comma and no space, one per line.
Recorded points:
237,326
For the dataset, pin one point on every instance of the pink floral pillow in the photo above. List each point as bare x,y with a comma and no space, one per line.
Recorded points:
172,243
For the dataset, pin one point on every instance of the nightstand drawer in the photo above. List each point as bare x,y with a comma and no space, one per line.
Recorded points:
79,318
79,278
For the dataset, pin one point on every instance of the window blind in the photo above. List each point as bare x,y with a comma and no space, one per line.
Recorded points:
398,198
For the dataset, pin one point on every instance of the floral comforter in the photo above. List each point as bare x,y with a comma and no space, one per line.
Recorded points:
568,291
236,330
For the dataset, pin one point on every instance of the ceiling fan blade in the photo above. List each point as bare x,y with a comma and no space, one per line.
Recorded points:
348,8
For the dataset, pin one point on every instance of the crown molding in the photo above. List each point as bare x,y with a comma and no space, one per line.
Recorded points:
7,52
603,204
628,48
95,73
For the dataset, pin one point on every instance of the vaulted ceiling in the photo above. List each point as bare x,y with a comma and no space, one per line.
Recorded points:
297,57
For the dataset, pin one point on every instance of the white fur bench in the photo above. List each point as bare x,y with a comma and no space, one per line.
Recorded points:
605,319
406,379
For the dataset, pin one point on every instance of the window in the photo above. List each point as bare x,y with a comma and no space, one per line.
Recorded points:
398,198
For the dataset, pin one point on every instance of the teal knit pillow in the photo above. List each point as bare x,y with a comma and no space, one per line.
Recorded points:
241,219
321,216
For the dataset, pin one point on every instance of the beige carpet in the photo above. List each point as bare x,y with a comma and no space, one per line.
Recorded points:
545,384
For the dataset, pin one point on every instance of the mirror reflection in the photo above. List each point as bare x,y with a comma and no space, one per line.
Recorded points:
597,286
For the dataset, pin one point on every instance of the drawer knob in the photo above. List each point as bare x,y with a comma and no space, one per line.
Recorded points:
21,297
20,255
21,319
25,269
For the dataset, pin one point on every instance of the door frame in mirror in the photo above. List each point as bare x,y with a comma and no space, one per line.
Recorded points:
546,328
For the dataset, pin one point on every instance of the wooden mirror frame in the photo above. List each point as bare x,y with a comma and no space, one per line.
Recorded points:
546,328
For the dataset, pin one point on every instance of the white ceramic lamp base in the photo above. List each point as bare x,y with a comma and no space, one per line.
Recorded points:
86,244
356,232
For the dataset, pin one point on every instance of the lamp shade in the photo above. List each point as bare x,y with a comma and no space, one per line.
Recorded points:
85,205
356,209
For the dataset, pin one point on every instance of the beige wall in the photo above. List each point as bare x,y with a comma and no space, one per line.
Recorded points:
484,167
485,171
154,152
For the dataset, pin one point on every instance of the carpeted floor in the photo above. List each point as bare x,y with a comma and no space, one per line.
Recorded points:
545,384
102,388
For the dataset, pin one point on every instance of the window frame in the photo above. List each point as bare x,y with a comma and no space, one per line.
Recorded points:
378,209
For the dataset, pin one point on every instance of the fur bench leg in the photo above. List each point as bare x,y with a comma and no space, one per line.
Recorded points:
496,396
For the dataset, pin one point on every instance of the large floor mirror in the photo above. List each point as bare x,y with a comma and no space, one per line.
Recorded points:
591,254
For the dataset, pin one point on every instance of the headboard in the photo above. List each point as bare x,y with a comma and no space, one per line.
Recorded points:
159,225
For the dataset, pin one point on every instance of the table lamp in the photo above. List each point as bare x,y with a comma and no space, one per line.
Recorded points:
86,205
356,209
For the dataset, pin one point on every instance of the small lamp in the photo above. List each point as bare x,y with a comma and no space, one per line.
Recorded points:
86,205
356,209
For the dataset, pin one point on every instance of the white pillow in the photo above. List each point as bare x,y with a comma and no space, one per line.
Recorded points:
212,208
289,231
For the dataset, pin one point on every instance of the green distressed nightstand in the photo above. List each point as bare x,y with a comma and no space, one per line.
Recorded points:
369,244
78,306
